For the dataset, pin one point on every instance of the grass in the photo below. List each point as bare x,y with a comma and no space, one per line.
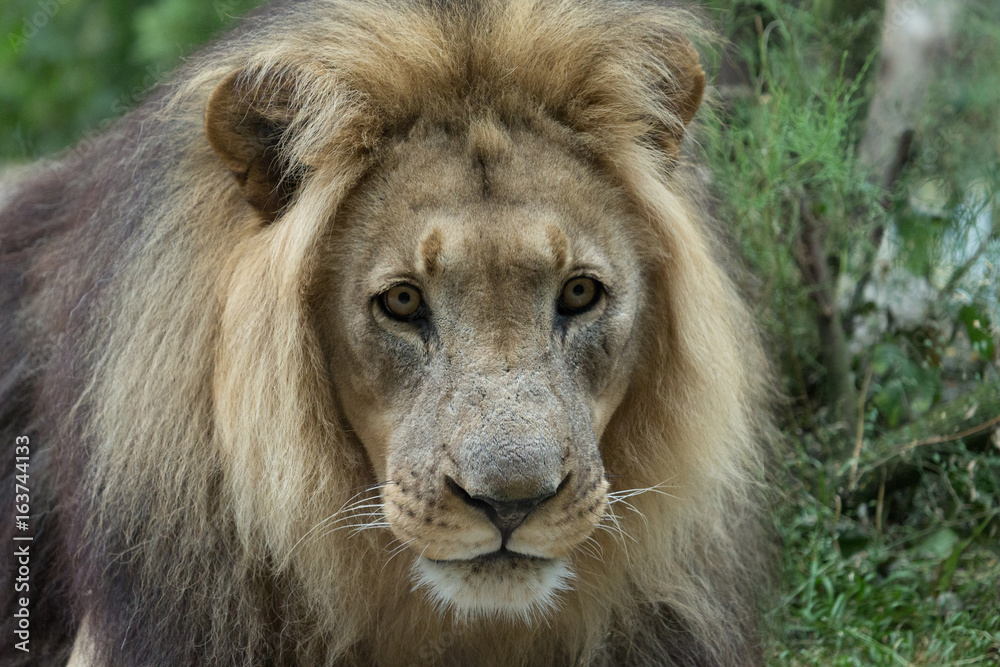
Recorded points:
910,592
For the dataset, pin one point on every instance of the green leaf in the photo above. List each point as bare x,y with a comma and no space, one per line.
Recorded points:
948,567
977,325
937,545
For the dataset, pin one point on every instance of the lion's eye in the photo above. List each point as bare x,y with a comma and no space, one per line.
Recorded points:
579,295
402,302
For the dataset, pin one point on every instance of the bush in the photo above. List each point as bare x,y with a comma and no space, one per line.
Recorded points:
892,478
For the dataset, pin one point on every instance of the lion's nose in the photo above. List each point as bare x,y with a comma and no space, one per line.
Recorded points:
506,515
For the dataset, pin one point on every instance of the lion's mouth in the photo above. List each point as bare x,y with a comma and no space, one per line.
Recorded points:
500,583
501,555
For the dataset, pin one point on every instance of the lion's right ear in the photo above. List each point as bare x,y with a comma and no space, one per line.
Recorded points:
246,121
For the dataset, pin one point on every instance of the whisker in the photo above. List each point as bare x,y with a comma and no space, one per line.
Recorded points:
617,525
377,512
367,489
631,507
331,520
590,547
355,528
370,503
656,488
348,507
365,526
396,551
616,531
617,534
639,492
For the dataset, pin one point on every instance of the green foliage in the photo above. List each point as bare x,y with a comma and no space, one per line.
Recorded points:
71,66
979,330
891,585
906,389
906,575
961,137
788,162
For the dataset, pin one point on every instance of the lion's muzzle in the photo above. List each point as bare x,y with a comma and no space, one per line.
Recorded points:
507,514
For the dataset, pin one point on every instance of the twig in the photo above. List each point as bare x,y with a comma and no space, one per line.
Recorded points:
800,378
937,439
973,259
972,417
879,506
821,281
838,506
899,160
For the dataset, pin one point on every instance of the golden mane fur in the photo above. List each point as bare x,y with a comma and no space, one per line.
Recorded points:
177,392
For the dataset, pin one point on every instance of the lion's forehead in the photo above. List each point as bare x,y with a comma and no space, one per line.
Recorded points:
493,252
517,219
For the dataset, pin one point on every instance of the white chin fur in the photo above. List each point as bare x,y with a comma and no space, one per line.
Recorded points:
522,589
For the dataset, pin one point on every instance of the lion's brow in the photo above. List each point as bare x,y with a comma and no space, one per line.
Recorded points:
559,244
430,248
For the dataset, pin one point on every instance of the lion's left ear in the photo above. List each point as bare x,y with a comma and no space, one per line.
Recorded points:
682,86
246,121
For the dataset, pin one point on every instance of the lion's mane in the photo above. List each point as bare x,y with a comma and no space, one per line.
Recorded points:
158,351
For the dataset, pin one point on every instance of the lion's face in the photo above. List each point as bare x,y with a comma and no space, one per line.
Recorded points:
477,304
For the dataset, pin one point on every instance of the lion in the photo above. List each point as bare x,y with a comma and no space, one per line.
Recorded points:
389,333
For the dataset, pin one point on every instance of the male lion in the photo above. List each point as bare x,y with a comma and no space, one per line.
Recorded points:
450,373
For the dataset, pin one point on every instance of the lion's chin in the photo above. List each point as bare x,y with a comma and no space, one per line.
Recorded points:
500,584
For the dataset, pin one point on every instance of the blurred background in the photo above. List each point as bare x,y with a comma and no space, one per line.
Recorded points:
851,149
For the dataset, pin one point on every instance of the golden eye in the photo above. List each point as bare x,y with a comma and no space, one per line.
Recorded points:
578,295
402,302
